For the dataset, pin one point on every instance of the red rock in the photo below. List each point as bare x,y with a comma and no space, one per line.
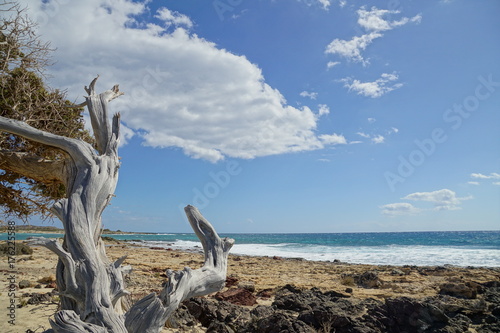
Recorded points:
238,296
231,281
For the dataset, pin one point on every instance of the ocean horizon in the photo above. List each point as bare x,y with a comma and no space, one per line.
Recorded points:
434,248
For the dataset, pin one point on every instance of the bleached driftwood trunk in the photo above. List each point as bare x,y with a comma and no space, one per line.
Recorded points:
91,287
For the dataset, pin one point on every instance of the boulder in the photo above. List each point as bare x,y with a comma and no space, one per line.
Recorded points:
238,296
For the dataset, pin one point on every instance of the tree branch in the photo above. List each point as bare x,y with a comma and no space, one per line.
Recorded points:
34,167
155,310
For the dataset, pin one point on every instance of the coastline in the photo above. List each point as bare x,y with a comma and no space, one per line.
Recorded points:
264,275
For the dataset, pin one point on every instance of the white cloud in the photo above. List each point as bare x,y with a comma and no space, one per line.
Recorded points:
332,64
351,49
173,18
393,130
473,183
374,22
311,95
371,120
378,139
180,89
492,175
496,183
333,139
375,88
325,3
323,109
400,208
373,19
364,135
442,199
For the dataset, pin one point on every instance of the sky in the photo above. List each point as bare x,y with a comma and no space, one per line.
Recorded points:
292,115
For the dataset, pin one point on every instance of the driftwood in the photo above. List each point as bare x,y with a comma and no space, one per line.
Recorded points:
91,287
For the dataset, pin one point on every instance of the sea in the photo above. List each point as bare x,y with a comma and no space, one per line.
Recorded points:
457,248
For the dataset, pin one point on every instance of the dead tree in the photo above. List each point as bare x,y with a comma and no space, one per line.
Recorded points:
91,287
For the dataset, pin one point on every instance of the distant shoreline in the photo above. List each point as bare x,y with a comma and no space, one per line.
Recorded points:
34,229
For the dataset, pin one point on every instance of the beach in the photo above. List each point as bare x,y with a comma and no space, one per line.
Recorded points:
262,275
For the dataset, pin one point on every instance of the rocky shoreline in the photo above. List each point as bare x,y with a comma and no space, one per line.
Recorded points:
272,294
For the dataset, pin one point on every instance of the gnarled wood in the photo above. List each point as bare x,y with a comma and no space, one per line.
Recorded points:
91,287
150,313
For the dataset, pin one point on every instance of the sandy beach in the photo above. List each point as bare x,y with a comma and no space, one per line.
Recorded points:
266,274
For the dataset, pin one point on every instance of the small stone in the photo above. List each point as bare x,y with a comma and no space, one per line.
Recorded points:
24,284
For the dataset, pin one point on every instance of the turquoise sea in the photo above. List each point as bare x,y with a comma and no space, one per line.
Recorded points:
460,248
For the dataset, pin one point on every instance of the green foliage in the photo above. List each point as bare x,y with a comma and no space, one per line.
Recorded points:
25,96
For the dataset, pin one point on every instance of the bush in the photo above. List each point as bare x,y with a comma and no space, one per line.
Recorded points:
21,248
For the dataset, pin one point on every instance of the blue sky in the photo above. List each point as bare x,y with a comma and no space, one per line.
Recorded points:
293,116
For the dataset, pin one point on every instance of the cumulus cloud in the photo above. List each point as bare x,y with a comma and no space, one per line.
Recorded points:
373,89
323,109
400,208
374,22
325,3
311,95
180,90
333,139
442,199
373,19
378,139
332,64
351,49
173,18
492,175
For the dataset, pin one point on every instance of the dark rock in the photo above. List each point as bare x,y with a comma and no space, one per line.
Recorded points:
369,279
181,318
280,323
266,293
24,284
348,290
36,298
209,311
239,296
404,314
462,290
261,311
324,318
218,327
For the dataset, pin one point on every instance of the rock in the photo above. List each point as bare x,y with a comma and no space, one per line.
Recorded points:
24,284
181,318
239,296
266,293
280,322
397,272
462,290
37,298
231,281
404,314
323,318
369,279
248,285
210,311
262,311
218,327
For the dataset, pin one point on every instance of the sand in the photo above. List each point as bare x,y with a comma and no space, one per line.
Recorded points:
150,264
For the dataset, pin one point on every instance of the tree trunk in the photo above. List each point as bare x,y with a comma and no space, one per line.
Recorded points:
91,287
